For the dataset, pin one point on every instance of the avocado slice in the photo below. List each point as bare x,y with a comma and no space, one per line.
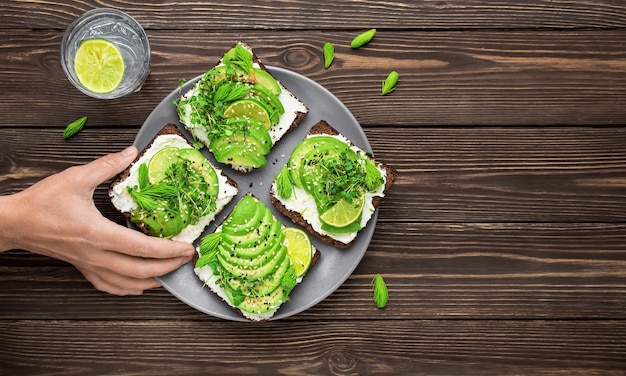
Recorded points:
263,287
312,163
267,252
261,77
261,304
254,274
161,223
245,217
250,239
257,135
269,97
255,76
201,164
258,241
242,154
318,143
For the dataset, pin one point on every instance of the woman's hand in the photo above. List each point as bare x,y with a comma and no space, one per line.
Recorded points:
57,217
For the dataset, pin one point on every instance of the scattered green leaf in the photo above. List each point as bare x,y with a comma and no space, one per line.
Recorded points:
389,84
381,294
329,54
74,127
363,38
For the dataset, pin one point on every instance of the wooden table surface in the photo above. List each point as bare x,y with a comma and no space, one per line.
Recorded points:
503,241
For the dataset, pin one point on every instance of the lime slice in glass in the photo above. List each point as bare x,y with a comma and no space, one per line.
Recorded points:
99,65
249,108
299,249
343,213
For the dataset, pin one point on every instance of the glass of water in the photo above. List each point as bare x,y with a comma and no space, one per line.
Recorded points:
121,30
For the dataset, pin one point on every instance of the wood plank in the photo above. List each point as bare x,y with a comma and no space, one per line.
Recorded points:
324,15
434,271
320,347
526,78
446,174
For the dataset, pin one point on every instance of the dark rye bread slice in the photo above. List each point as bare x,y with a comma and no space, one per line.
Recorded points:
316,257
299,115
322,127
255,59
166,130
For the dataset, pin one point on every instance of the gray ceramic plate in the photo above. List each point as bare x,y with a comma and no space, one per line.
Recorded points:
335,265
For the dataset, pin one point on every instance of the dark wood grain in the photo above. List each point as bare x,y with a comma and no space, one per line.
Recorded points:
323,15
503,241
321,347
433,271
446,175
447,78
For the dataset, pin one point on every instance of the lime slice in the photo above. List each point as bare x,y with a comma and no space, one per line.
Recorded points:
159,163
99,65
249,108
343,213
299,249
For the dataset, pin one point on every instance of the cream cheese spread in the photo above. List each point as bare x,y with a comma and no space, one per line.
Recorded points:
303,202
122,200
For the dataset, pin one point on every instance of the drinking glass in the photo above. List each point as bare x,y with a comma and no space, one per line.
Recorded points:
118,28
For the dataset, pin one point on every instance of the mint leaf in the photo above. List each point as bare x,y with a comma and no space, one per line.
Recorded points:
74,127
381,294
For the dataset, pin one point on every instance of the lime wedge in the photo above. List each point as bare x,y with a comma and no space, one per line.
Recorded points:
343,213
249,108
99,65
299,249
159,163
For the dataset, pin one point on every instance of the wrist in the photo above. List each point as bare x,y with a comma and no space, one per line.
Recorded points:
9,214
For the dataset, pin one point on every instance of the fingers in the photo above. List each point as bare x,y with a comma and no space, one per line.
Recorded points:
132,242
135,267
108,166
126,275
116,284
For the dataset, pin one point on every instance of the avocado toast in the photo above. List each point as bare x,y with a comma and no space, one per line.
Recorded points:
252,261
171,190
239,110
330,187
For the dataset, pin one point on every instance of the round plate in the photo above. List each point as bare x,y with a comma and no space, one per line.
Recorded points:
335,265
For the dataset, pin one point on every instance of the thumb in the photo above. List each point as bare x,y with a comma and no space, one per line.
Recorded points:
108,166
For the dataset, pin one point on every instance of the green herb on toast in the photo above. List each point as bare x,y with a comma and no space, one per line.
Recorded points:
175,189
234,109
